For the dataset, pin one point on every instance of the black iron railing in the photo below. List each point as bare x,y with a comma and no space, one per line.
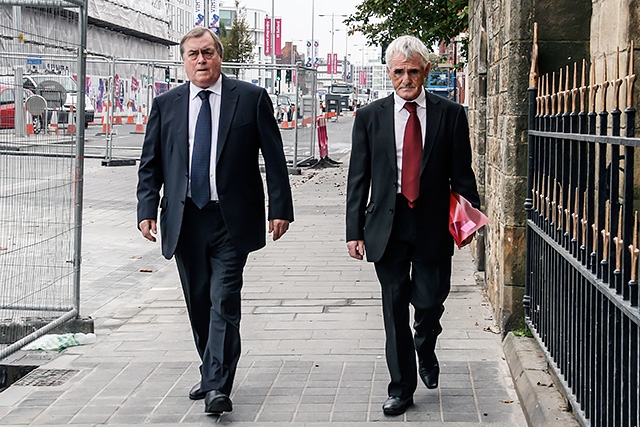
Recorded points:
581,298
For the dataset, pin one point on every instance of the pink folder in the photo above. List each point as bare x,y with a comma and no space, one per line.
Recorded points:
464,219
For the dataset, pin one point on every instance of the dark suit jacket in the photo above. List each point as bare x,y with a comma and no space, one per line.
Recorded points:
372,184
247,127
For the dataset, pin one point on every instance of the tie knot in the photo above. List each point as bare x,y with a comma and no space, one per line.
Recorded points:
411,107
204,94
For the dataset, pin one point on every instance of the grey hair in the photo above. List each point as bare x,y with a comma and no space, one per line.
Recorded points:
407,46
196,32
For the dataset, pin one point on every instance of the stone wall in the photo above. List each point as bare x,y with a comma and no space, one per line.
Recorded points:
498,55
500,44
613,25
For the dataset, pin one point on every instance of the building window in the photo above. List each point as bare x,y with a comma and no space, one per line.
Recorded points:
227,17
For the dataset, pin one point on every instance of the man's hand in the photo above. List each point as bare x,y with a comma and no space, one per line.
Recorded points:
148,229
356,248
278,227
466,241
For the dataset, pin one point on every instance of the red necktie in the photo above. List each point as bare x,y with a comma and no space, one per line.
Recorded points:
411,156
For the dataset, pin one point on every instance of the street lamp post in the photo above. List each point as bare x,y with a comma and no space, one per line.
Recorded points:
346,52
332,34
313,22
333,15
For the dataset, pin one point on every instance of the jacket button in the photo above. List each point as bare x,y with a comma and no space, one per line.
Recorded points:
390,211
395,184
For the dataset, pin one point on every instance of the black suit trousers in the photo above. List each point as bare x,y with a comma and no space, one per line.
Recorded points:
210,271
406,280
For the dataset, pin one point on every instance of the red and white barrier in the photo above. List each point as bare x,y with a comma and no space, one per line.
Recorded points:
323,139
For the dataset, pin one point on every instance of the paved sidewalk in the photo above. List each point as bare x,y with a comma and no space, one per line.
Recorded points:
313,348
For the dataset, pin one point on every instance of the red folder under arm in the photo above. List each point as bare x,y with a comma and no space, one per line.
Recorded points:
464,219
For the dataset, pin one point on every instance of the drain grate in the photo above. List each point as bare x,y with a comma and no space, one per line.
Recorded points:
46,377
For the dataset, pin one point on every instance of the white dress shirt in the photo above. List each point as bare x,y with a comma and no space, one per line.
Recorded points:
400,118
194,108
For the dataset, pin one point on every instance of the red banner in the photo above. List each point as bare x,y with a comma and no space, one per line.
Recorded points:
362,77
329,63
278,37
335,64
267,36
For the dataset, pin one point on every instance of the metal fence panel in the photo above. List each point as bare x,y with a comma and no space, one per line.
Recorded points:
581,299
124,95
41,144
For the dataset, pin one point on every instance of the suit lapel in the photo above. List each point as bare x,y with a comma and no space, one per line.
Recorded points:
386,119
228,102
434,117
182,123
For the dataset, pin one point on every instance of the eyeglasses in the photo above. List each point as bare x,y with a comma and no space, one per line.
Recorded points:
206,53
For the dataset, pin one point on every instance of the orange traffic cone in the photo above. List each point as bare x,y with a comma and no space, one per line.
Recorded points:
29,121
71,127
53,125
106,128
284,125
139,125
130,120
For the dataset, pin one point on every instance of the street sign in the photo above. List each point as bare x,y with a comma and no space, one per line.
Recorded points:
34,60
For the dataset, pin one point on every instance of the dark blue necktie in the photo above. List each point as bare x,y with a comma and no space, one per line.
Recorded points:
201,156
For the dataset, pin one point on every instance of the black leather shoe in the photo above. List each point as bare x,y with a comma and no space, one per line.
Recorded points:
195,393
396,406
429,373
216,402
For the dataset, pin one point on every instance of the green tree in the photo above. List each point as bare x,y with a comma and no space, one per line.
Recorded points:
223,31
238,41
432,21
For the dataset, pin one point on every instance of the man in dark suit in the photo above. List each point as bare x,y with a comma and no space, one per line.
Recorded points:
405,160
202,149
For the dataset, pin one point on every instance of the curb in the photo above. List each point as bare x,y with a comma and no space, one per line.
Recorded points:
542,402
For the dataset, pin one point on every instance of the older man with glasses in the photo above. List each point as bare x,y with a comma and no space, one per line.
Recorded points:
201,149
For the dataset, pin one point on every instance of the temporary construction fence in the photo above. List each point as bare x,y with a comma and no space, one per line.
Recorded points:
295,102
41,176
120,91
125,96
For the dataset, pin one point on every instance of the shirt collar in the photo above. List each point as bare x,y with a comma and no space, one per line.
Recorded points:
398,103
215,88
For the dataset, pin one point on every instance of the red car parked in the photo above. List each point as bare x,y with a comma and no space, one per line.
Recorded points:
8,107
